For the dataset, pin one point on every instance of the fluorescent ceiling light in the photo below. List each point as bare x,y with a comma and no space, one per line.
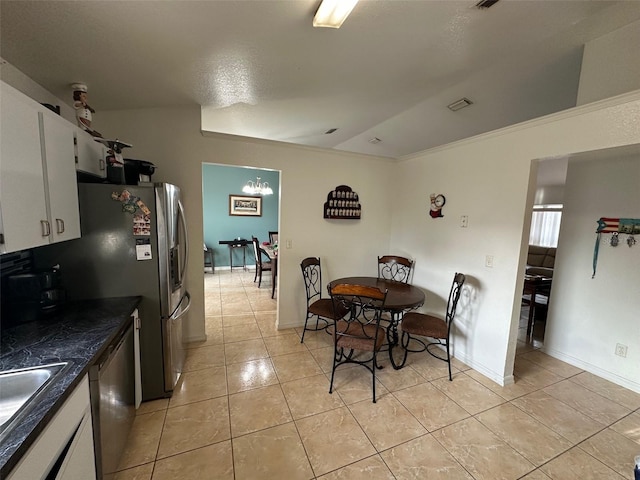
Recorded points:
331,13
459,104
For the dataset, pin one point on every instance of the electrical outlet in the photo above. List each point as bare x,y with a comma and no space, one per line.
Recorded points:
621,350
464,221
288,243
488,261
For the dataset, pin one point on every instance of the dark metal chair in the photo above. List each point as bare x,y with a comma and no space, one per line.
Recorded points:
396,269
392,267
321,308
423,325
209,259
261,266
360,331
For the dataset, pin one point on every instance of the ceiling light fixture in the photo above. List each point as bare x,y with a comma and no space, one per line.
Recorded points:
331,13
257,188
459,104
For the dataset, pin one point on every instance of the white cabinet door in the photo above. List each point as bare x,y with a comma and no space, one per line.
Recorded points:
38,189
79,462
62,188
22,185
70,425
91,155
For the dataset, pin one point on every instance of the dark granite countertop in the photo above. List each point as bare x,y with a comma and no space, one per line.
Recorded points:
78,334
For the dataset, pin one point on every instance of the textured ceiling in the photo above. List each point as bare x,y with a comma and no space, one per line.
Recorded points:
259,68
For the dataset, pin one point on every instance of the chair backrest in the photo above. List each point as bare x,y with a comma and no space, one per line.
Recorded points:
256,251
392,267
312,275
273,238
454,296
365,305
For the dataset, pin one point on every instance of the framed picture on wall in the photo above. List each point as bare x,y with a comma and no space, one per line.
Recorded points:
245,206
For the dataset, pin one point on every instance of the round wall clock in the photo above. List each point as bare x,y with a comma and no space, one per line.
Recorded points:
437,201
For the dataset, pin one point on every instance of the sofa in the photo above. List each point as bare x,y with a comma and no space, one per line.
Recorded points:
540,260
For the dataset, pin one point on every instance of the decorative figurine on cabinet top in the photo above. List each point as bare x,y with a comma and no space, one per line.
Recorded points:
83,109
437,202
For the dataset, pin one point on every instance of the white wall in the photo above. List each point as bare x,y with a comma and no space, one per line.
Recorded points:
171,139
488,179
610,65
588,317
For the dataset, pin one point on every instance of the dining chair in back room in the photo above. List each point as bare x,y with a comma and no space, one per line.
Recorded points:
321,308
261,266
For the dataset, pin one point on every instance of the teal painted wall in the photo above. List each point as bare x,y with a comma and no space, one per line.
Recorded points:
220,181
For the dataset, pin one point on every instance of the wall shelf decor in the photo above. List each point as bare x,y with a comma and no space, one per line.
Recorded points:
342,203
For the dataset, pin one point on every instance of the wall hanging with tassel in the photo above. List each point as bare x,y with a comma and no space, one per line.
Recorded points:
615,226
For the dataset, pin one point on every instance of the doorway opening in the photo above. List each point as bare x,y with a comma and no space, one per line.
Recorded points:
544,233
231,218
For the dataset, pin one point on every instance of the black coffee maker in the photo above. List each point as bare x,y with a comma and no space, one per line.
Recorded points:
34,294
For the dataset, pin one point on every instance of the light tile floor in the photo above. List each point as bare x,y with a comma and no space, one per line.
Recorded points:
254,404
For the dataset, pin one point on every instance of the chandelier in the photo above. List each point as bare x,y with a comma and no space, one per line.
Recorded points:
257,188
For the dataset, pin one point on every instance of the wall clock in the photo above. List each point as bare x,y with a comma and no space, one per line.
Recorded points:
437,202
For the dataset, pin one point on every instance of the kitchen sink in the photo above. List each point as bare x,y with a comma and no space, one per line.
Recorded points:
19,390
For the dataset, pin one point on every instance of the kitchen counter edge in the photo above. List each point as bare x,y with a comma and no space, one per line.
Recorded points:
78,334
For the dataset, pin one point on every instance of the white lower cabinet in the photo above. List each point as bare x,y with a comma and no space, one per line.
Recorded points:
64,449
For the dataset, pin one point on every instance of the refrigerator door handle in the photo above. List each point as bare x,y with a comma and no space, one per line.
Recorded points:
183,222
178,312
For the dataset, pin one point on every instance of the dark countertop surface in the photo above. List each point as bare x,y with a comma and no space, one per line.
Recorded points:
78,334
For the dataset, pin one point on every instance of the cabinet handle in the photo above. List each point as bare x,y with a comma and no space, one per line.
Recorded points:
101,163
46,228
60,225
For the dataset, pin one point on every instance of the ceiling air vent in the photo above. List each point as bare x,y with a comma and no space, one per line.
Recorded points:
330,131
459,104
374,140
486,3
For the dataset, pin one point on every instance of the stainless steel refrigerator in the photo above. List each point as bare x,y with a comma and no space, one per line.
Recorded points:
134,242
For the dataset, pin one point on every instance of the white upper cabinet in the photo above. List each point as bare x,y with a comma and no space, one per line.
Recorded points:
38,189
61,177
90,155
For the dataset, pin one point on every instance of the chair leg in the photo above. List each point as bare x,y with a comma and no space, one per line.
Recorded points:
373,371
449,362
305,328
402,344
259,278
273,285
333,370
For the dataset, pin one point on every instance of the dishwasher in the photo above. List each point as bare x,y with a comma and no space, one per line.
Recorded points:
112,384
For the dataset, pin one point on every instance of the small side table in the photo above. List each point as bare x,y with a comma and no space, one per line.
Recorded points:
233,245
